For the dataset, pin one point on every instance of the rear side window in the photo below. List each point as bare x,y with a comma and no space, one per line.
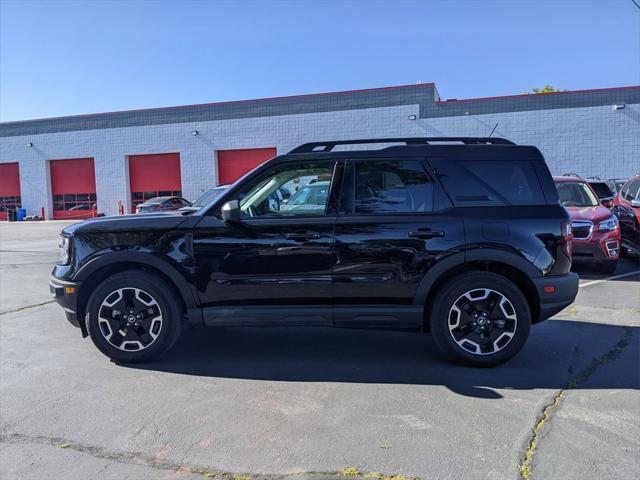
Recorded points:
392,186
477,183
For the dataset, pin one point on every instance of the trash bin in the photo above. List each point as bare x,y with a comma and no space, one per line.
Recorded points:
21,214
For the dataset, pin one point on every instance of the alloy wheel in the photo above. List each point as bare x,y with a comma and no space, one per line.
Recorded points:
130,319
482,321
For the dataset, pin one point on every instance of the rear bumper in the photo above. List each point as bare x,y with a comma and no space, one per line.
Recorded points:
66,294
556,293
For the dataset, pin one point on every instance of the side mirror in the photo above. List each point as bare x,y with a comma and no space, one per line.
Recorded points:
607,202
231,212
635,203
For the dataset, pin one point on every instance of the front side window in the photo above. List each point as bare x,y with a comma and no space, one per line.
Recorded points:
392,186
289,190
632,192
576,194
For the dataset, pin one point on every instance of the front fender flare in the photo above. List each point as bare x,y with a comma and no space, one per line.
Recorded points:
143,258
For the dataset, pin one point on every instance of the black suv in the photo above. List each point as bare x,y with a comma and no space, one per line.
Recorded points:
461,237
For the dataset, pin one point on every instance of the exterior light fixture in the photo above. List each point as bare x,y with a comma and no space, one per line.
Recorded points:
412,117
29,144
466,113
619,106
194,133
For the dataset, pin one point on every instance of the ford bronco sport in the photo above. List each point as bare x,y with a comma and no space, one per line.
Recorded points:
461,237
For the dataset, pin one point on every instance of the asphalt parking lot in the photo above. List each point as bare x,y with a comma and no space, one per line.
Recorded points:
306,403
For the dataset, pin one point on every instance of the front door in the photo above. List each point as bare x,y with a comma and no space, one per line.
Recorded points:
274,266
392,227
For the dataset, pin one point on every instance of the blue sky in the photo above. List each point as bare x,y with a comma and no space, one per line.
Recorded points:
72,57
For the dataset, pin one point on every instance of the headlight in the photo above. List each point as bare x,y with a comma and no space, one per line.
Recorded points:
608,225
64,252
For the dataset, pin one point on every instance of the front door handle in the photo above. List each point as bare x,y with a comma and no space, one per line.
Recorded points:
425,233
302,236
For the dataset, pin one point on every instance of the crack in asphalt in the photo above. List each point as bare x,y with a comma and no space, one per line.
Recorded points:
138,458
525,467
19,309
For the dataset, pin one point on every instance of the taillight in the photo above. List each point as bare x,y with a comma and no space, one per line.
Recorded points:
567,237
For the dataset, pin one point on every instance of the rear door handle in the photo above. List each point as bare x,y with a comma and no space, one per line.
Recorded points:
302,236
426,233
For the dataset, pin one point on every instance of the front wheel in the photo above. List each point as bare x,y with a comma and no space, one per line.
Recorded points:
480,319
133,317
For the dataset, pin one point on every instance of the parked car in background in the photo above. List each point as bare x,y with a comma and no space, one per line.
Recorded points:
205,199
159,204
596,230
310,197
615,184
627,208
393,245
603,191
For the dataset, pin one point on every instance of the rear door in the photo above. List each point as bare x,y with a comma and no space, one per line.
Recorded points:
393,224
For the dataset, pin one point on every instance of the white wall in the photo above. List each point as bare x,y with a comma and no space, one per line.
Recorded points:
587,141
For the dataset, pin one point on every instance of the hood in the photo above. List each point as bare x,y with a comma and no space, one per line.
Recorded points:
594,214
117,223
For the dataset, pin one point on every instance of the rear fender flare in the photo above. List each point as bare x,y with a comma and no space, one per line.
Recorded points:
469,256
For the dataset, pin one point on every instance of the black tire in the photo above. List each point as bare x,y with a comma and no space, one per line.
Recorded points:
499,347
608,267
165,317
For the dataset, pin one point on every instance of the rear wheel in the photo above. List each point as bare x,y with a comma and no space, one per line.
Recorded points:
134,317
480,319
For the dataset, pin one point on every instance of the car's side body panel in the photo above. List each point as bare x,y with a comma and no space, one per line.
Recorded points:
342,269
264,262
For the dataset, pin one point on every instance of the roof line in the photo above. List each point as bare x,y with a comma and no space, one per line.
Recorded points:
227,102
454,100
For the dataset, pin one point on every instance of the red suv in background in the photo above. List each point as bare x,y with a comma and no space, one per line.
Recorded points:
596,231
627,208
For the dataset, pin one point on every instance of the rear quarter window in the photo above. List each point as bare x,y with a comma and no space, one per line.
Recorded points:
490,183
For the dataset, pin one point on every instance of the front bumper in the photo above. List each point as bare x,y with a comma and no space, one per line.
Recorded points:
601,247
556,293
66,294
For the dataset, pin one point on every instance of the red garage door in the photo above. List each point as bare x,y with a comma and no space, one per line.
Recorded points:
9,189
232,164
73,185
156,175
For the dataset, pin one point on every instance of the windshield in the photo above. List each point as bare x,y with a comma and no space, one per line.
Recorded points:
208,197
576,194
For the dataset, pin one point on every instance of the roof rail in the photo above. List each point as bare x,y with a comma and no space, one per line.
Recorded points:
328,146
571,175
594,177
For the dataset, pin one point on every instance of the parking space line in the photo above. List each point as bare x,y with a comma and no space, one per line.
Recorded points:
614,277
